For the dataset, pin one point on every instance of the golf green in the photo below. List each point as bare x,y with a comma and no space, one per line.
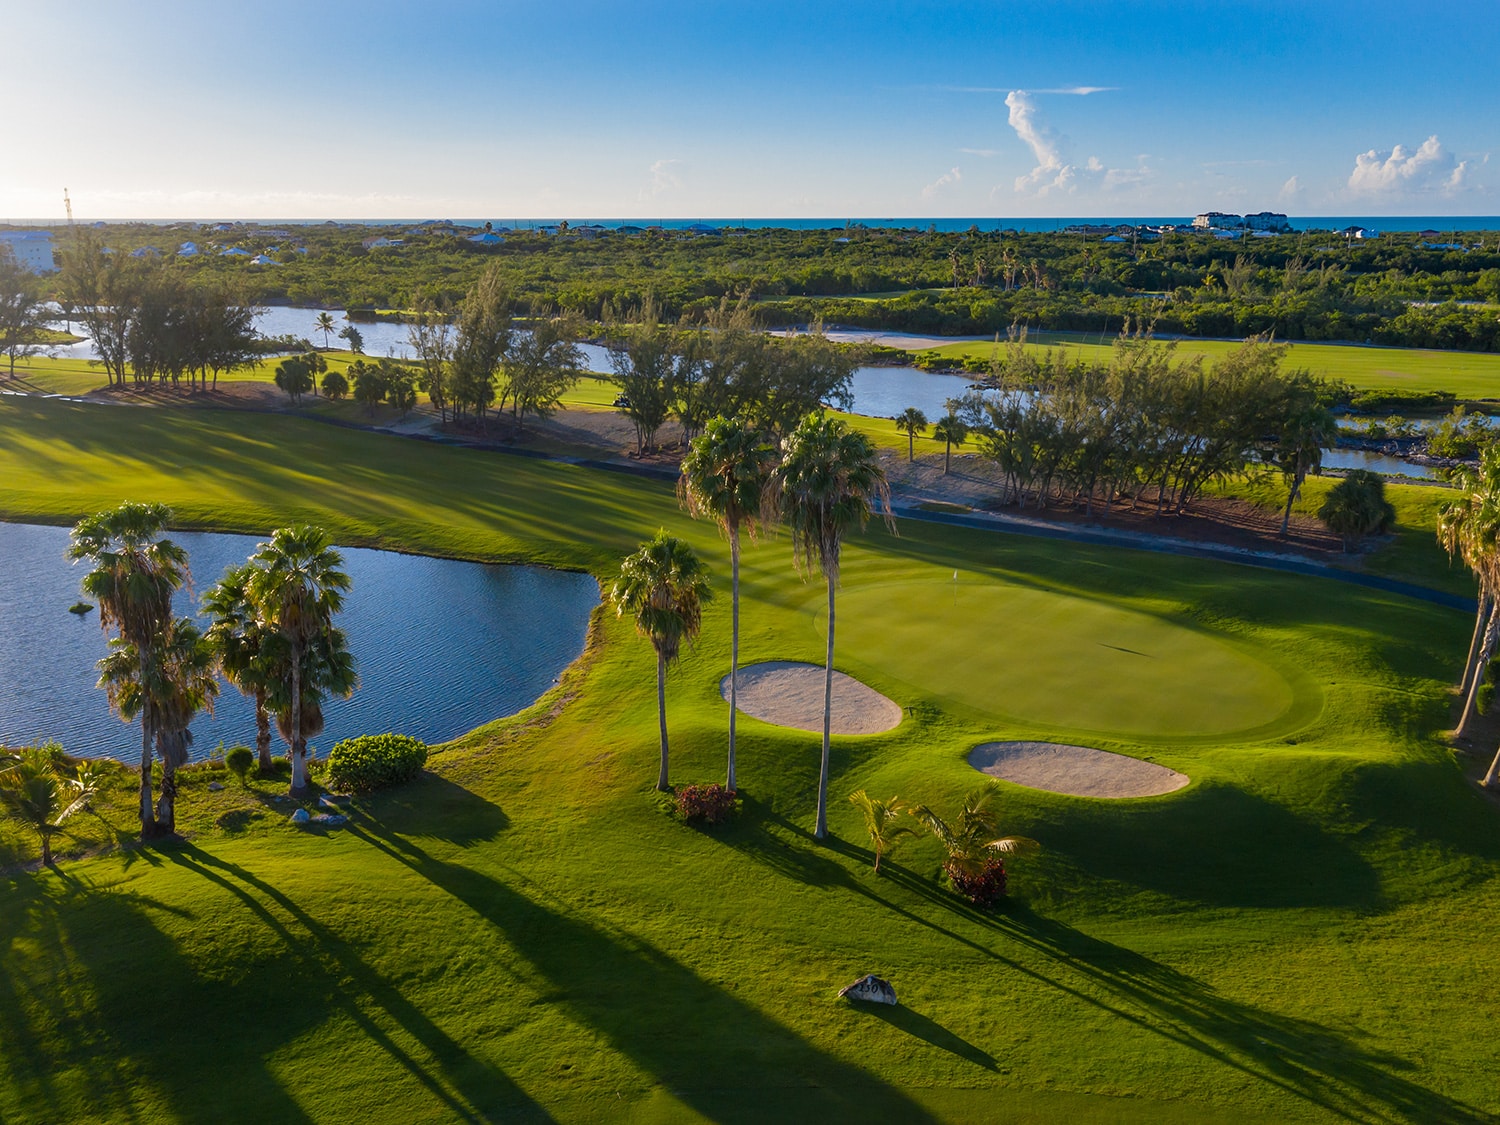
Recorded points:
1035,656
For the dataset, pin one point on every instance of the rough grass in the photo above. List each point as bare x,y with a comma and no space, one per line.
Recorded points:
1470,375
524,933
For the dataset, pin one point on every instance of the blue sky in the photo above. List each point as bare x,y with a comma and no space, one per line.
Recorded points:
159,109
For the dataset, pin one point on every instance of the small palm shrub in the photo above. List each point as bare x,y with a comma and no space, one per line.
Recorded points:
983,887
974,865
89,778
373,761
1357,507
712,803
239,760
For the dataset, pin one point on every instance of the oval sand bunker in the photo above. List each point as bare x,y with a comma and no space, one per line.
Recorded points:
1075,770
790,694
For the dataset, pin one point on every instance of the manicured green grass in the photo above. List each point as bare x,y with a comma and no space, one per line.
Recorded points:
1471,375
525,933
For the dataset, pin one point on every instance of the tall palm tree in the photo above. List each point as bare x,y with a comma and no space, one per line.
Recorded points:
911,422
324,324
828,481
31,791
951,430
298,587
242,642
1468,527
175,682
663,587
724,477
134,574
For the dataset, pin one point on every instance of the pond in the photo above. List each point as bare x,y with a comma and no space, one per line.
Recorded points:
440,646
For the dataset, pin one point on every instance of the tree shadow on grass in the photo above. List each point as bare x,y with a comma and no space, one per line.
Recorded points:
658,1012
324,971
95,1014
1307,1060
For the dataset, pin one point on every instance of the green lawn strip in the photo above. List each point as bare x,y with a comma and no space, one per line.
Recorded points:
1294,937
1471,375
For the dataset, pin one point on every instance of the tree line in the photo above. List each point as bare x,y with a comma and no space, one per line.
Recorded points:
1144,425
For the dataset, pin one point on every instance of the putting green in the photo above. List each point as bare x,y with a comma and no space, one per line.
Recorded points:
1064,662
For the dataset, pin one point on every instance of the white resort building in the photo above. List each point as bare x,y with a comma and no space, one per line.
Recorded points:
32,249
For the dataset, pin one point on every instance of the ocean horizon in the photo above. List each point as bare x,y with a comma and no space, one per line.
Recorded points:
1391,223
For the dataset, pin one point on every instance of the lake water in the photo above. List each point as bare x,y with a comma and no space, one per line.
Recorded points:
440,646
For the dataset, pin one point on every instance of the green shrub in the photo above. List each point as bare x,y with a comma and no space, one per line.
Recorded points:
372,761
1357,507
240,759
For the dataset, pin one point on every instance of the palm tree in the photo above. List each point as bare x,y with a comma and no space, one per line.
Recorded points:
951,430
911,422
134,575
242,642
883,821
297,587
827,482
724,477
663,587
324,324
174,683
1469,528
1300,451
973,848
31,791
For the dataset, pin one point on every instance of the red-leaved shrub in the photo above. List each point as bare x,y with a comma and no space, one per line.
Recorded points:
712,804
982,888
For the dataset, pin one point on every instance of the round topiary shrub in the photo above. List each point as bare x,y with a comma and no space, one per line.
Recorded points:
239,760
712,803
373,761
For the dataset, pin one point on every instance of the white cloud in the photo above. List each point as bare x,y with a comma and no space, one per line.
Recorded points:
1053,172
947,179
1080,91
1290,190
981,151
664,178
1075,91
1431,168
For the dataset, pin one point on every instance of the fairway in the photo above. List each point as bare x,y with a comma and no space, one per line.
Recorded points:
1032,656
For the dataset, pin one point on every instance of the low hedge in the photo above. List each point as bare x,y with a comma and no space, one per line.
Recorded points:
373,761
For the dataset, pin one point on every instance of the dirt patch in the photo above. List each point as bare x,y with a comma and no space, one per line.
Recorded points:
790,694
1075,770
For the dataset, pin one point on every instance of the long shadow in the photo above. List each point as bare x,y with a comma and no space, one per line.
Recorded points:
1300,1057
325,965
96,1015
658,1012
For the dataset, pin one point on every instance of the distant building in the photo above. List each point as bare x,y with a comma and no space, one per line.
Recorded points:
235,252
32,249
263,260
487,238
187,250
380,240
1218,220
146,252
1268,220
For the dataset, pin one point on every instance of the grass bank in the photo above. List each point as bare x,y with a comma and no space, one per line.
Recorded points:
526,934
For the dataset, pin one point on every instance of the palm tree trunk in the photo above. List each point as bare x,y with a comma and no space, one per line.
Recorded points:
148,815
46,848
166,808
1489,777
734,644
299,752
1487,649
1486,607
947,456
821,831
661,716
263,732
1291,498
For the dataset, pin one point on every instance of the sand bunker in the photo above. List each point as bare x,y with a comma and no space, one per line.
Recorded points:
789,694
1075,770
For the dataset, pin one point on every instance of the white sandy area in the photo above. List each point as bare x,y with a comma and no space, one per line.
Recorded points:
790,694
1076,770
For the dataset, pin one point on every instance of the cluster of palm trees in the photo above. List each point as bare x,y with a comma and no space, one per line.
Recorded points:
271,635
1469,528
824,480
